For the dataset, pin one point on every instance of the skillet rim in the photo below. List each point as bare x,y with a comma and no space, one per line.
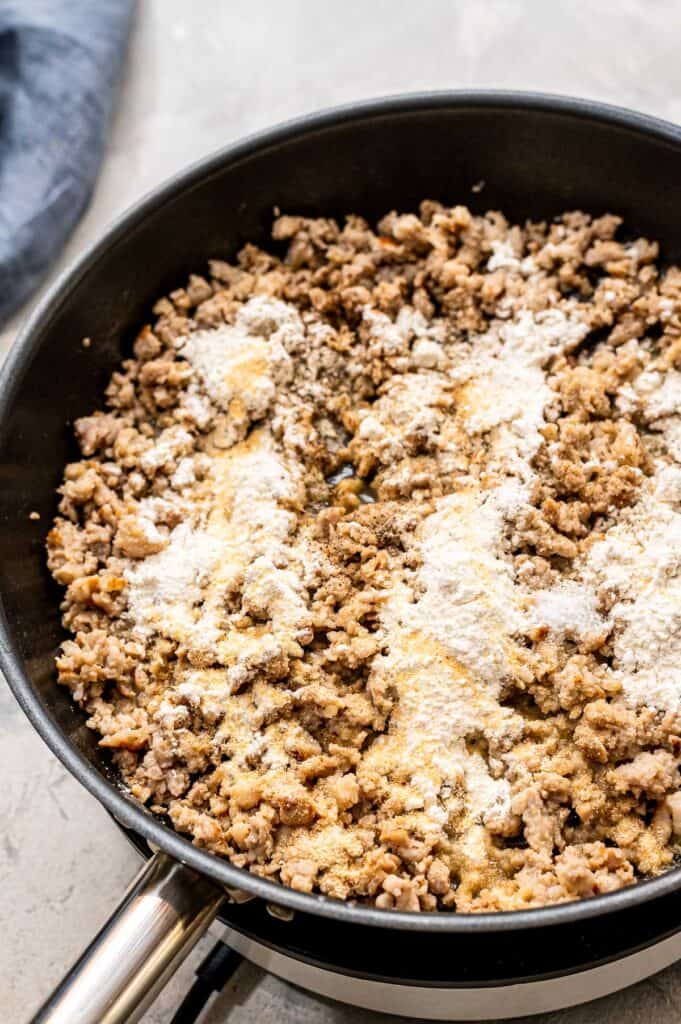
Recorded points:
15,365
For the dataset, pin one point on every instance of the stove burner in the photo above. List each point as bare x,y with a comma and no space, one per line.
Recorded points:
212,975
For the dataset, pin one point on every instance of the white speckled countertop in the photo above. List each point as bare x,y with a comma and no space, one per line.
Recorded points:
200,75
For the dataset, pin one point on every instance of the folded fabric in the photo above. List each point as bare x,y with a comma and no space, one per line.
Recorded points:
60,63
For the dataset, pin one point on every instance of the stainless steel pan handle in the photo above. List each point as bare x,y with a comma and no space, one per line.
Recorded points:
164,913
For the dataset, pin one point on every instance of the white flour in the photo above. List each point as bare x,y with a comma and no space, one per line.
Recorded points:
639,564
569,608
170,444
164,588
245,361
392,337
654,395
408,407
505,390
503,258
181,591
449,650
469,603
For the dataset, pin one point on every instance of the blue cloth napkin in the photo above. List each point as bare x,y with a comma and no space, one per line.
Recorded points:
60,62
